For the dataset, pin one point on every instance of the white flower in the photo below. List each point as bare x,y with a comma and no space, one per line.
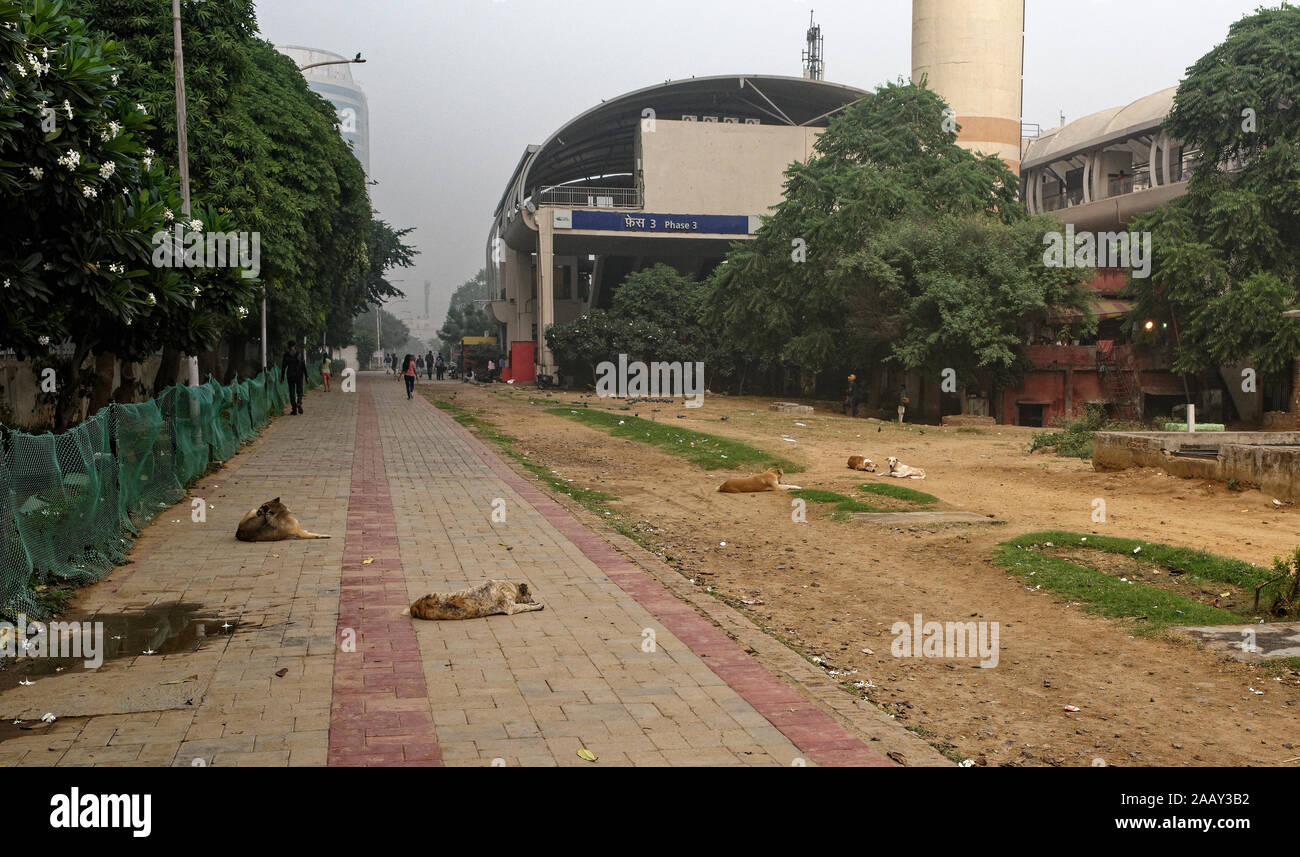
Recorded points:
36,173
70,160
44,340
151,300
47,266
112,131
21,69
106,169
113,77
89,192
140,107
196,225
167,215
148,153
148,162
6,282
67,107
128,322
115,267
243,312
197,291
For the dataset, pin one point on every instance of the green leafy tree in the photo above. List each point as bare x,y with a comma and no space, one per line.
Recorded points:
466,315
82,197
264,149
1227,253
836,277
655,315
393,332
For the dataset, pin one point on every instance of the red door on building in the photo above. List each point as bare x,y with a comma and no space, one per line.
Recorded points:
523,360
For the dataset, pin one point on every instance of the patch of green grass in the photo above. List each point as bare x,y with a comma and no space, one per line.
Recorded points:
593,501
708,451
1073,437
899,492
842,503
1151,608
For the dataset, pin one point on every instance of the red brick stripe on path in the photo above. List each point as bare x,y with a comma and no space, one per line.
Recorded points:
379,713
821,738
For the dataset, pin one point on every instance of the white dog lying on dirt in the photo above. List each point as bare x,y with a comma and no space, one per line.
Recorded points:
899,470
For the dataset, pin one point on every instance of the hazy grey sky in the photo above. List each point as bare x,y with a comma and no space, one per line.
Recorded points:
457,88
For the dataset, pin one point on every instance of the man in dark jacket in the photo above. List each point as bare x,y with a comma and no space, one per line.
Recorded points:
295,370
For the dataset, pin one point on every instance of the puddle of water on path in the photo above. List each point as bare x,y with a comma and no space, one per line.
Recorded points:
161,629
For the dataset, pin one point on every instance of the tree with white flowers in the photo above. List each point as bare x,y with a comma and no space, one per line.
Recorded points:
81,197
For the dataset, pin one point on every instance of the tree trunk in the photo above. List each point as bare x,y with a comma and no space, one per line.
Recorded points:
168,368
67,409
102,394
131,389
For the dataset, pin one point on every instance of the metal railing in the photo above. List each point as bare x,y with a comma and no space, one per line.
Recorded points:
590,197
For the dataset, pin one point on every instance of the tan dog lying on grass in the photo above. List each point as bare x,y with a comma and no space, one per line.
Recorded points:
861,462
272,522
899,470
486,599
769,480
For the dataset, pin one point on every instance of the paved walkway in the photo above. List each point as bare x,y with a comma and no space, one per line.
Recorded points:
320,665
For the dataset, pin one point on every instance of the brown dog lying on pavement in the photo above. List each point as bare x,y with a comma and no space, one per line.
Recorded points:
769,480
272,522
861,462
486,599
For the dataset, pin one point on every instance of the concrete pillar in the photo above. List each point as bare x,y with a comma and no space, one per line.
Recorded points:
545,288
1151,159
1087,178
1164,162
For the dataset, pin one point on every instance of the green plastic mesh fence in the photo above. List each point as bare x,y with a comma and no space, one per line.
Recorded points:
145,473
242,415
220,421
71,504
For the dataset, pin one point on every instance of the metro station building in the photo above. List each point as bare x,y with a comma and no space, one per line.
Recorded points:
671,174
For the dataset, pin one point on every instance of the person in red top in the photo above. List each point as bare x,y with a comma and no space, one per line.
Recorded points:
408,374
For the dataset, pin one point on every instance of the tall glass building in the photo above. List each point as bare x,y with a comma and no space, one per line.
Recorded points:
334,83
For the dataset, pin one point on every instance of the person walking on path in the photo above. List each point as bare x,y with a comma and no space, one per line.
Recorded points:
408,372
396,372
854,396
326,367
428,364
295,369
441,366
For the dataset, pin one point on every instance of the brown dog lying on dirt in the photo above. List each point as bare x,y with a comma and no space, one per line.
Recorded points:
861,462
486,599
769,480
272,522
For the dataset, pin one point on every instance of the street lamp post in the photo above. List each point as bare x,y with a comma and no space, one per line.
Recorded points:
182,141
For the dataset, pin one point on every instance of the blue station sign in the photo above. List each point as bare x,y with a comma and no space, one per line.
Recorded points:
683,224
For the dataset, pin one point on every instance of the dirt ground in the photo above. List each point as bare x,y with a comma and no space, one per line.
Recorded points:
834,588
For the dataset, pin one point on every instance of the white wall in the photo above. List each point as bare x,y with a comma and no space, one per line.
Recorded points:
719,168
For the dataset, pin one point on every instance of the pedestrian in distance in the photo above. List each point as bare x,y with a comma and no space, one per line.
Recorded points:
441,367
326,368
408,373
294,366
428,364
854,396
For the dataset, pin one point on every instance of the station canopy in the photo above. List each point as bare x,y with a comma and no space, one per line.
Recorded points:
597,147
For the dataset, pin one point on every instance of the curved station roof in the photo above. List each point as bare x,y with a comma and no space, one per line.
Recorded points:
1105,126
600,143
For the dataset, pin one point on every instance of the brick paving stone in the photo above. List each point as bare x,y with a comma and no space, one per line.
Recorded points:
408,496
